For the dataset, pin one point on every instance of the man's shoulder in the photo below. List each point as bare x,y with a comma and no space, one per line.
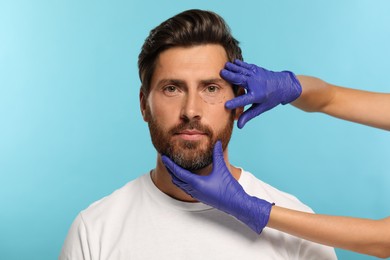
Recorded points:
256,187
122,196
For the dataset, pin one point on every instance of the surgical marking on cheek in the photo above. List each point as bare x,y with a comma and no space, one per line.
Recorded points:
213,100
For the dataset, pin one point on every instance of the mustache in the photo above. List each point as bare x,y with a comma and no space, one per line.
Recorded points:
191,125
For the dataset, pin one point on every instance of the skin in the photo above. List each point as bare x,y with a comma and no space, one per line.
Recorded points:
171,103
366,236
364,107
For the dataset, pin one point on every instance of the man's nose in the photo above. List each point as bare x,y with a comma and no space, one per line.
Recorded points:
192,106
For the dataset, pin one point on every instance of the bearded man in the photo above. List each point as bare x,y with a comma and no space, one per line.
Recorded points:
182,98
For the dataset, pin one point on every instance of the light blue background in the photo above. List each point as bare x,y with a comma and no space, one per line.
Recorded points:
71,131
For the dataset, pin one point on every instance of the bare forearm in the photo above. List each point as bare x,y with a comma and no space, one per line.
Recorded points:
365,236
368,108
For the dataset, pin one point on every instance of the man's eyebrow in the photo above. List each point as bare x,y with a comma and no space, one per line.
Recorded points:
177,82
214,81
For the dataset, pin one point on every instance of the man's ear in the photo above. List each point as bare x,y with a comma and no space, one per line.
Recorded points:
142,102
239,110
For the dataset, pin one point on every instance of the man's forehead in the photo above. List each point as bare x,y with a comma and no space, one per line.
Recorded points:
200,63
199,54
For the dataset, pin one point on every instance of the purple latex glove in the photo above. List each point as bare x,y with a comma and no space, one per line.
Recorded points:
220,190
264,89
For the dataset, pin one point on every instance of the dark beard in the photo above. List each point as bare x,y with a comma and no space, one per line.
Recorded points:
189,155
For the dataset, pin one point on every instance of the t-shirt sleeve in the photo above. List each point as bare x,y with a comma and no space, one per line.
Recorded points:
76,244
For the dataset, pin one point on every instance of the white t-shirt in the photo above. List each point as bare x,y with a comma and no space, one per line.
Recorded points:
138,221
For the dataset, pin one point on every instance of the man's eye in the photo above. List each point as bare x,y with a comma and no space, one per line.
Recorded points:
212,88
170,89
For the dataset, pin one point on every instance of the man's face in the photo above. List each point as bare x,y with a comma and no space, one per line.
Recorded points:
185,108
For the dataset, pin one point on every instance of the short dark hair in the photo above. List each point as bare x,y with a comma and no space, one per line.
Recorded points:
189,28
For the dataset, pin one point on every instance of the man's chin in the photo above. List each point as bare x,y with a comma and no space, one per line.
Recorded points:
191,158
190,145
197,168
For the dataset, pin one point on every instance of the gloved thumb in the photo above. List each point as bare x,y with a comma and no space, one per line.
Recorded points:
218,159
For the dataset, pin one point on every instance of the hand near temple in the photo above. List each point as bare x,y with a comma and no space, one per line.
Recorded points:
264,89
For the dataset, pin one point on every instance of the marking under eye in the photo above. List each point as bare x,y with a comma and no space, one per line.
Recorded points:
212,94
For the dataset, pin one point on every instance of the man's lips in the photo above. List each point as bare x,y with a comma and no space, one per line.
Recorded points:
191,134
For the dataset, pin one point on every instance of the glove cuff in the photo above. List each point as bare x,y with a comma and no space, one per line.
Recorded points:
258,213
295,89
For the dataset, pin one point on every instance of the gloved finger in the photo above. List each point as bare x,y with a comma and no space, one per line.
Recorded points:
218,154
244,64
183,186
240,101
176,170
186,188
238,69
250,113
176,180
233,78
179,183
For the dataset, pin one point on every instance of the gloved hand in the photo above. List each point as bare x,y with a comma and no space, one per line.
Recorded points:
265,89
220,190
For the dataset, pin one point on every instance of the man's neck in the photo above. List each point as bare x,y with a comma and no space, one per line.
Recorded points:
163,180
